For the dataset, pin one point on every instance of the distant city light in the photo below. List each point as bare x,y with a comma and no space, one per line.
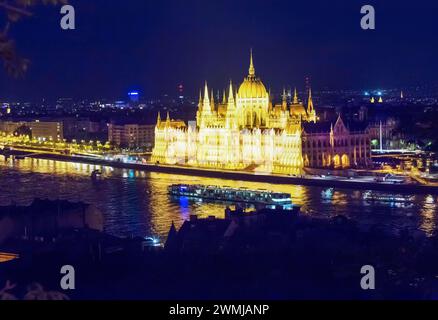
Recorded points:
133,93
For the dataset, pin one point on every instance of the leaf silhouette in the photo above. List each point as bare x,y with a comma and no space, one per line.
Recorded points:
15,65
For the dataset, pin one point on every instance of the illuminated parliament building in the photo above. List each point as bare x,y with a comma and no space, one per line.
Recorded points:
246,131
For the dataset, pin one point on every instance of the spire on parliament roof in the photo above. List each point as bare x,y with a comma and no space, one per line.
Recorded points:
310,102
212,100
251,65
206,104
231,94
295,96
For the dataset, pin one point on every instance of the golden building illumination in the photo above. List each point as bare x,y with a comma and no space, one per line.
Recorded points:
243,131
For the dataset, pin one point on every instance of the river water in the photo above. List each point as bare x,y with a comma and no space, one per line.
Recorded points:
137,203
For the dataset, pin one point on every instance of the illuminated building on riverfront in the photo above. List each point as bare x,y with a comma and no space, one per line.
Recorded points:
243,131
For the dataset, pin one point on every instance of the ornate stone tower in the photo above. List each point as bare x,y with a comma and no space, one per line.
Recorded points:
252,100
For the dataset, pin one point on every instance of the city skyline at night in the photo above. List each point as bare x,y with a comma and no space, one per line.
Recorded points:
247,151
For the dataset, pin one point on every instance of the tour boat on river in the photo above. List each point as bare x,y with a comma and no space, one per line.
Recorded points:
392,198
264,197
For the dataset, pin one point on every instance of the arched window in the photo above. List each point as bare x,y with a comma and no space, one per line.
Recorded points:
255,119
248,119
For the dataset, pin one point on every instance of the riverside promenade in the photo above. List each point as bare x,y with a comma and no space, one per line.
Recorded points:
356,183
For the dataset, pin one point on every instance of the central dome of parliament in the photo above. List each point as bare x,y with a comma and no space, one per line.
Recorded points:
252,87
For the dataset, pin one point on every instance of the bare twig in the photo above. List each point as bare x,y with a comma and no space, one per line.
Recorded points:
15,9
6,28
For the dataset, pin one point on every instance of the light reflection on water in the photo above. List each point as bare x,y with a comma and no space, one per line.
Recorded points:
137,203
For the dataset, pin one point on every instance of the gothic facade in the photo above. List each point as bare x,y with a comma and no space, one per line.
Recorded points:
336,145
244,131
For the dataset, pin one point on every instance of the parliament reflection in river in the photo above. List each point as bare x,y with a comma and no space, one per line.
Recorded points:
137,203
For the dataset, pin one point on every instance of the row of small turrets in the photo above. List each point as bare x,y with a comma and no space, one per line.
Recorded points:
167,119
207,102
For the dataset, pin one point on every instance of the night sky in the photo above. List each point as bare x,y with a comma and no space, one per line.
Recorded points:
152,45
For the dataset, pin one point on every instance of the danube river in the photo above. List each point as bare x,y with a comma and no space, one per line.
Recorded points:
137,203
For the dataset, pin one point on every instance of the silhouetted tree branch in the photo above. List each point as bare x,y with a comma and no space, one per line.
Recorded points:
15,10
